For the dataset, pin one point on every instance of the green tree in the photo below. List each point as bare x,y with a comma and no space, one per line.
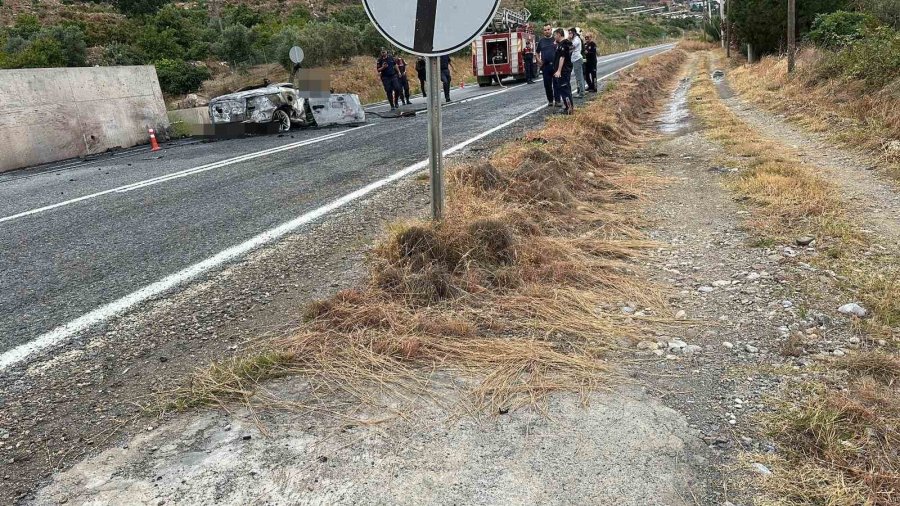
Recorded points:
542,10
763,23
887,11
840,28
179,77
236,45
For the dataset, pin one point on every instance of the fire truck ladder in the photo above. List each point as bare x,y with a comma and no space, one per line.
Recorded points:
507,19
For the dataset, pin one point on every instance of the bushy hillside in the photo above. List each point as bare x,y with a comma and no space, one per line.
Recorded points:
190,42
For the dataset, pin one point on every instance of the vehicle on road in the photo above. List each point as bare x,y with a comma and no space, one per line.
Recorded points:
282,106
499,52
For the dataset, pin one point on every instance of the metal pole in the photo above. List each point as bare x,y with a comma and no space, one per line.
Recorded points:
435,145
791,35
722,22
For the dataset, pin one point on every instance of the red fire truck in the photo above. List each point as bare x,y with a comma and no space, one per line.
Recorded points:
498,53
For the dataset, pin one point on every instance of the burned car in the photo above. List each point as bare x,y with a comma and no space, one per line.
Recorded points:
282,107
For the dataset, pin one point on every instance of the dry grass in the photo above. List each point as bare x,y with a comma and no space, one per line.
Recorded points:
788,198
836,446
506,294
843,108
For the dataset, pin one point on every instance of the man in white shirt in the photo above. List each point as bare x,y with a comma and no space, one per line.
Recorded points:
577,62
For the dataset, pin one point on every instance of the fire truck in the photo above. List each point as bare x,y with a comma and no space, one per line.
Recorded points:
498,53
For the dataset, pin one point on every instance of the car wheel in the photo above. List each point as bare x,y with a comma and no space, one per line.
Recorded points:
282,119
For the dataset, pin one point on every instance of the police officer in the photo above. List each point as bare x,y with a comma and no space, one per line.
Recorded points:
403,79
446,77
387,69
528,58
546,53
422,73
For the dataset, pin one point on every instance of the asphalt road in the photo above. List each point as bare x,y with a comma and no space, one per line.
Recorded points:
77,236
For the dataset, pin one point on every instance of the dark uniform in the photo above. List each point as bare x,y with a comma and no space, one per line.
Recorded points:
546,47
422,73
387,68
528,58
404,81
446,78
590,65
563,58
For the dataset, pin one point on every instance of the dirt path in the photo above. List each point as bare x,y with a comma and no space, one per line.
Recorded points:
875,200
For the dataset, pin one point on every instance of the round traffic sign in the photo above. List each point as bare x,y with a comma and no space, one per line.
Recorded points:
431,27
296,55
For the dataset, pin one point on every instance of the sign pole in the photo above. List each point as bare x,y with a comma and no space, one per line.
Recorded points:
435,144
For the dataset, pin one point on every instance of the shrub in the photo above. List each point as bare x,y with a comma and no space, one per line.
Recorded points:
236,45
839,29
179,77
874,59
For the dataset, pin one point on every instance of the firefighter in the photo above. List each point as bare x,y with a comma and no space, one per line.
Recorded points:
387,69
446,76
562,62
590,62
528,58
546,51
404,81
422,73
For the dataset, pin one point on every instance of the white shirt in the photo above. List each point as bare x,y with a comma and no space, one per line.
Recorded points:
576,49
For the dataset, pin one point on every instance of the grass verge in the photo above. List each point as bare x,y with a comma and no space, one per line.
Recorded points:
515,295
836,432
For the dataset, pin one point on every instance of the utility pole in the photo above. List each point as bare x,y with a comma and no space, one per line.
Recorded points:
792,32
727,24
722,21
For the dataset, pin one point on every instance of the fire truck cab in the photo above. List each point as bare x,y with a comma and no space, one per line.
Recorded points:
499,52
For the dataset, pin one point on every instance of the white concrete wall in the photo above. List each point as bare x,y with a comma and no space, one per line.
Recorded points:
53,114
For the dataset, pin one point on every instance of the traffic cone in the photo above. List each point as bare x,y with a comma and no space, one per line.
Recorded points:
154,146
462,85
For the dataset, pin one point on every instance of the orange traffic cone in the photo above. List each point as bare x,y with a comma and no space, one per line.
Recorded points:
154,146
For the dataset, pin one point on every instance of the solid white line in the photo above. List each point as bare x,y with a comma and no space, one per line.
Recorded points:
183,173
63,333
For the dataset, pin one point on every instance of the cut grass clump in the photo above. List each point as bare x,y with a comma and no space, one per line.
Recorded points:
503,294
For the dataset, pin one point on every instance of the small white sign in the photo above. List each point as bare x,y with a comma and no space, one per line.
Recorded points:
296,55
431,27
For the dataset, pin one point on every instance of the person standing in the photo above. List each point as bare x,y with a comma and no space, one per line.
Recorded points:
577,61
528,59
546,51
562,62
403,79
446,77
422,73
387,69
590,62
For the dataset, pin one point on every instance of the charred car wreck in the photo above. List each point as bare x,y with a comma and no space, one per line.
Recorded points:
280,107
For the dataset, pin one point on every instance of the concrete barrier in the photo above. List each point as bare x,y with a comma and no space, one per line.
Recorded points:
53,114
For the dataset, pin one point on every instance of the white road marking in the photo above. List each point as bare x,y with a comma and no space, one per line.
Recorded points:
62,333
183,173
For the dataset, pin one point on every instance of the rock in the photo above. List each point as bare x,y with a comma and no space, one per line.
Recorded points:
753,276
751,349
853,309
705,289
322,459
691,349
854,340
648,345
193,100
728,345
677,345
839,352
681,315
721,282
761,469
671,357
805,240
787,304
628,310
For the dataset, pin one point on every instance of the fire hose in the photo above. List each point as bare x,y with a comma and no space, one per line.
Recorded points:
497,74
